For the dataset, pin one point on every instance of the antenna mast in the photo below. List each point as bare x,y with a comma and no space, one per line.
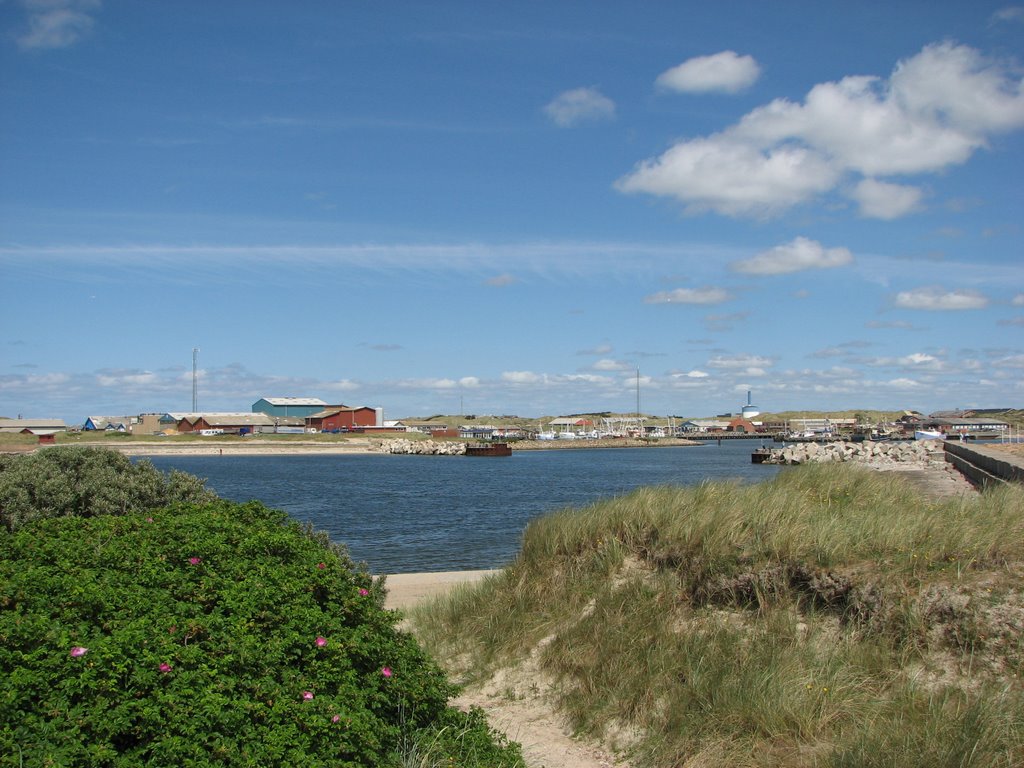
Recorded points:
195,380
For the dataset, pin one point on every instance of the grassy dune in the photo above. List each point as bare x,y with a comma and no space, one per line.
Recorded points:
831,617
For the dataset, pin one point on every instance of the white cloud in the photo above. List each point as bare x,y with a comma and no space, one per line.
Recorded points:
954,85
903,383
1010,361
756,362
470,382
795,256
611,365
732,177
430,383
342,385
694,374
126,379
1010,13
936,109
56,23
726,71
938,299
602,349
585,378
521,377
882,200
918,358
689,296
575,106
1018,300
918,361
34,382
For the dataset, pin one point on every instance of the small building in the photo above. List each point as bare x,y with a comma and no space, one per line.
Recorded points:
150,424
820,426
571,425
32,426
953,427
237,423
298,407
704,425
109,423
430,427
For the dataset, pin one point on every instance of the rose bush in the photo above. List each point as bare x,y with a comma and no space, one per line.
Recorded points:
212,634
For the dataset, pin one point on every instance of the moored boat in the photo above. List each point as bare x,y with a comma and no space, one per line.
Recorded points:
488,449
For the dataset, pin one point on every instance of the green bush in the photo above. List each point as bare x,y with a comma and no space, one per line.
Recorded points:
213,634
86,482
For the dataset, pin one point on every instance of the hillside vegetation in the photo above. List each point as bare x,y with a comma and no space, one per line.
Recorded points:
830,617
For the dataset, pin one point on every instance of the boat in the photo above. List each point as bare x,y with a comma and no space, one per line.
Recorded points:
928,434
488,449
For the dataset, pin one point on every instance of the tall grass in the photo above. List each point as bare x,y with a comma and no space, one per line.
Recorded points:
832,616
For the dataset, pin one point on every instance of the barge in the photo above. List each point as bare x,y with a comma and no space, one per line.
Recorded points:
489,449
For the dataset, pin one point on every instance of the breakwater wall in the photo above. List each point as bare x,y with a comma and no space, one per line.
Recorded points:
982,465
880,455
421,447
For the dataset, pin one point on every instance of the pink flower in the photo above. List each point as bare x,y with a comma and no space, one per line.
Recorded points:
321,642
321,566
149,519
195,560
364,592
386,671
307,695
336,718
78,651
165,667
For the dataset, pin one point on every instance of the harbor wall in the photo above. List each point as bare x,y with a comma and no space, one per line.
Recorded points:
982,465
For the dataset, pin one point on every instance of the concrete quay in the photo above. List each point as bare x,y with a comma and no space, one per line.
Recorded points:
984,465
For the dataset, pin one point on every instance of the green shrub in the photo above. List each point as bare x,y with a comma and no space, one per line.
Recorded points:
86,482
214,634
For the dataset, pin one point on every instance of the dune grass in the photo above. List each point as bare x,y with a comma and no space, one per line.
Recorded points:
830,617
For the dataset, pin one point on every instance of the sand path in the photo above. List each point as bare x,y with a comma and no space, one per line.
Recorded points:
514,700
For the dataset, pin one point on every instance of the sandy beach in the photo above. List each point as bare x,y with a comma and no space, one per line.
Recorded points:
407,589
250,447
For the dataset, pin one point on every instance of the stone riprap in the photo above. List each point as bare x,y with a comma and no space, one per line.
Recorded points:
894,455
422,447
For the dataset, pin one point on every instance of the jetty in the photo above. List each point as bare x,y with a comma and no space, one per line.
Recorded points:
981,465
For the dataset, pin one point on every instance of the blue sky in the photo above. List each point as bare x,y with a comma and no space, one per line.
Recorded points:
511,208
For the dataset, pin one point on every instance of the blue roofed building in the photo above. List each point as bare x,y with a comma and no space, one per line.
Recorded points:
300,407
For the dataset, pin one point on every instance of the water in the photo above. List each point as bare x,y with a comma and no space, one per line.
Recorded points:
406,514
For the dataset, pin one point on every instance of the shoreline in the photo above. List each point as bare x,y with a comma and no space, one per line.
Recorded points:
353,447
360,448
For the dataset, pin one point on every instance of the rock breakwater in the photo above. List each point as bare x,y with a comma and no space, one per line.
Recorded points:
422,447
895,455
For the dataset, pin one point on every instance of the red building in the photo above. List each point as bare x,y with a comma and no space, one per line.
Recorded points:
744,426
343,418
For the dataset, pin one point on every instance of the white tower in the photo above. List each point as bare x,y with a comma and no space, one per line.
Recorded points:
750,411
